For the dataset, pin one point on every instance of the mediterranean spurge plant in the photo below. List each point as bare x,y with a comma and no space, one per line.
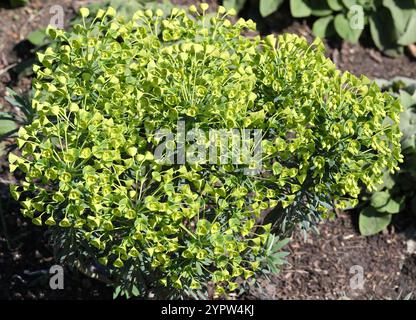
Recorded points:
105,89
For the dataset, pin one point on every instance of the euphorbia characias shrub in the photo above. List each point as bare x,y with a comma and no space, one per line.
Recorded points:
105,88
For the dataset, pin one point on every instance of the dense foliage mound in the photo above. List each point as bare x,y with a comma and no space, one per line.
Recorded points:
105,90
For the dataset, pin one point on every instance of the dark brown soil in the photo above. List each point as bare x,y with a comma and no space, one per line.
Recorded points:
15,25
25,259
319,268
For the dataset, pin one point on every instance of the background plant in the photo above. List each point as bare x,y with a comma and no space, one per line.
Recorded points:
397,192
11,121
18,3
391,23
103,89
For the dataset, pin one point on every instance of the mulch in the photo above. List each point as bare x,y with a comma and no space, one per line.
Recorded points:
324,265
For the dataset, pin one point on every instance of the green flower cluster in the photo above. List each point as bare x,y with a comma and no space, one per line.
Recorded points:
104,89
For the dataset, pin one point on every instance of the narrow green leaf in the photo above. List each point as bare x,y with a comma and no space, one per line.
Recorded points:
280,244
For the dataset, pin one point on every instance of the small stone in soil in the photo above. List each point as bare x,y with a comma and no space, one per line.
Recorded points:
37,254
16,256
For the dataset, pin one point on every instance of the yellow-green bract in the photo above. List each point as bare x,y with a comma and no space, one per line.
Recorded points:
104,89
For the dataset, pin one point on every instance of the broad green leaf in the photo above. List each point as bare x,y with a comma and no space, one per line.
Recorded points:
382,30
383,202
409,143
229,4
7,126
323,27
236,4
380,199
335,5
400,16
344,30
388,181
320,8
409,37
407,100
407,120
267,7
349,3
300,8
37,37
394,52
371,221
393,206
